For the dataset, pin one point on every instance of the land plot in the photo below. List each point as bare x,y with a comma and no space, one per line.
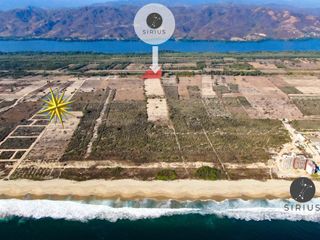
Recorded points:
91,105
157,110
180,66
171,92
284,86
127,89
207,87
19,154
6,154
263,65
244,173
306,84
92,84
27,131
306,125
185,82
17,143
266,99
55,140
308,106
127,135
247,141
136,66
235,140
235,107
153,88
17,116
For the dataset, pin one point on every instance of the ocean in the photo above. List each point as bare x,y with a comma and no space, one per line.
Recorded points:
151,219
140,47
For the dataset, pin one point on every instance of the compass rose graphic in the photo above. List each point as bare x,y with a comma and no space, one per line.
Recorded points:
56,107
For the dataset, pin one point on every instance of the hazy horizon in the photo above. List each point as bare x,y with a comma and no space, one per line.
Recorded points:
11,4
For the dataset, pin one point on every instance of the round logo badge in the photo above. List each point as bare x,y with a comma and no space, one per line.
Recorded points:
154,24
302,189
154,20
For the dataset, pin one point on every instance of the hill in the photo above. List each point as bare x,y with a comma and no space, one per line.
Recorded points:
205,22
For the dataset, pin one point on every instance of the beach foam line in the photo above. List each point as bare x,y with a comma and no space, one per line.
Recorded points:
256,210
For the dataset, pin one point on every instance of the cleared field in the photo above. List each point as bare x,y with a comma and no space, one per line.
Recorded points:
55,140
185,82
153,88
207,87
266,99
263,65
306,84
157,110
127,88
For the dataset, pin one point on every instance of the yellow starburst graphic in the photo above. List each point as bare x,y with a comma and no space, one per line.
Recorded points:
56,107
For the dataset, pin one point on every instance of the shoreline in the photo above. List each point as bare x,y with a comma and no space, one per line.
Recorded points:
132,189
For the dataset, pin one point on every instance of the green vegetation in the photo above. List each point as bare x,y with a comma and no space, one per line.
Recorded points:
240,140
239,67
91,105
166,175
290,90
6,155
244,102
126,134
201,65
306,125
207,173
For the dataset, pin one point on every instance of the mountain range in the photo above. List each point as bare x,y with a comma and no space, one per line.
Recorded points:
203,22
12,4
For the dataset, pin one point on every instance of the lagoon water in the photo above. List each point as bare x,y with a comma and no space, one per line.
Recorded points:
140,47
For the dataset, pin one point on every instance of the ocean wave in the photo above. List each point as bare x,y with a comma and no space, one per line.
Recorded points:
114,210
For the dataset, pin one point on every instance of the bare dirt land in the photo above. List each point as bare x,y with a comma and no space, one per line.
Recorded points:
127,89
266,99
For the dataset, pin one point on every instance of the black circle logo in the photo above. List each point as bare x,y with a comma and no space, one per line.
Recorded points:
154,20
302,189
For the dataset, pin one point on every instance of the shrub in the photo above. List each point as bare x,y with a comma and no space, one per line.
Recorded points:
166,175
207,173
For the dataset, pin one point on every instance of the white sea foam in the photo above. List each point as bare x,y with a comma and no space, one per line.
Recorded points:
112,211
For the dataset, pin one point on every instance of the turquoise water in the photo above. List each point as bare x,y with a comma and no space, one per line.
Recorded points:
150,219
140,47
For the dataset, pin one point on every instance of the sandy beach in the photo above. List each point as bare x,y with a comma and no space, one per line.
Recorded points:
131,189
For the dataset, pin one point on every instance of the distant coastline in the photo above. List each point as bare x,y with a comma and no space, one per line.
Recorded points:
137,40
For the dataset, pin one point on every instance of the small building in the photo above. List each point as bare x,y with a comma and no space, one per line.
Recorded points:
311,167
299,162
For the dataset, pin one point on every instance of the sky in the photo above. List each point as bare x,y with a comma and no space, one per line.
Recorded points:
11,4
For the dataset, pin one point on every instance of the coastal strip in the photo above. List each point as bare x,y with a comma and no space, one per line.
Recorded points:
131,189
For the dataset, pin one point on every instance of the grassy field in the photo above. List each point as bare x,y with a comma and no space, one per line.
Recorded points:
306,125
127,135
91,106
235,140
308,107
